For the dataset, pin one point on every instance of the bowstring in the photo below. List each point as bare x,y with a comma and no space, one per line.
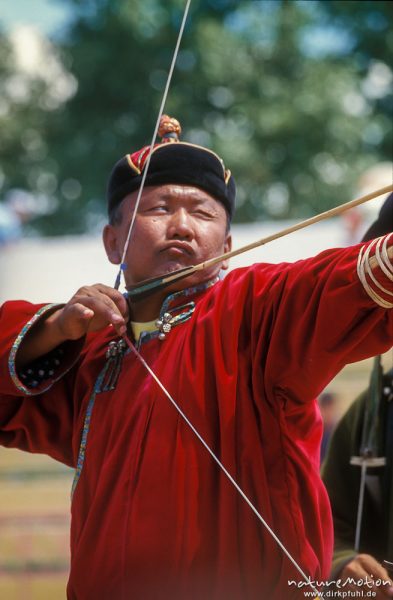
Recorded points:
139,356
123,264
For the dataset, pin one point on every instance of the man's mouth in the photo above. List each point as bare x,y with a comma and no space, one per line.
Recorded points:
178,249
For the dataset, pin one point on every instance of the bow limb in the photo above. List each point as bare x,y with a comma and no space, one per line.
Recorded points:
146,169
368,452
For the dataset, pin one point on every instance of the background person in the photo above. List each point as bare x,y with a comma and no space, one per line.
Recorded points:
366,427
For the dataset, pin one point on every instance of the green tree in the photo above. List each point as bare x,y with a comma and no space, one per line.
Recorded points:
283,90
31,94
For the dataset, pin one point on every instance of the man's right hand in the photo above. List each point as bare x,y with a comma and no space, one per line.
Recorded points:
92,308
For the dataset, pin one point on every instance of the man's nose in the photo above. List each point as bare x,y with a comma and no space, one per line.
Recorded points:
180,225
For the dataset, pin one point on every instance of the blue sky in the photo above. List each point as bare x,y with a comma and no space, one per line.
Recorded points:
48,15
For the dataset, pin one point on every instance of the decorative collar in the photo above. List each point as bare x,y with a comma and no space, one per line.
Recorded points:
173,312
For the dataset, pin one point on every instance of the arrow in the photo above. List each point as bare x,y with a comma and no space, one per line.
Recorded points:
136,293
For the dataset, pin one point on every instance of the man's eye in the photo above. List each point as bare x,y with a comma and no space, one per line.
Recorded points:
158,208
204,213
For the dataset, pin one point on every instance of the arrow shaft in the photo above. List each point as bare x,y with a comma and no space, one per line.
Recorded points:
150,286
332,212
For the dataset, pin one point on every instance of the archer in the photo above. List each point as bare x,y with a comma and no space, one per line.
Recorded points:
153,516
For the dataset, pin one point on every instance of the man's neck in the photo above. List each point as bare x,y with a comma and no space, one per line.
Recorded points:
147,309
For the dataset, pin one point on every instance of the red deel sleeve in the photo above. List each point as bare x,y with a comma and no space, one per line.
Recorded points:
323,318
303,321
36,420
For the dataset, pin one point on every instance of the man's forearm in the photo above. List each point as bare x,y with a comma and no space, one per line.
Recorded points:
92,308
43,337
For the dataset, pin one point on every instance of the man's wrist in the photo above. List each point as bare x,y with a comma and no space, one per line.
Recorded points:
51,327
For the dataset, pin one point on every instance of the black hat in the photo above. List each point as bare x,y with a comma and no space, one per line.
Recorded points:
384,222
172,161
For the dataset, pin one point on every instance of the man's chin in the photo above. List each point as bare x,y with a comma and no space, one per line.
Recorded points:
171,267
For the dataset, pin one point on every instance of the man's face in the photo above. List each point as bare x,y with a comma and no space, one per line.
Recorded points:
176,226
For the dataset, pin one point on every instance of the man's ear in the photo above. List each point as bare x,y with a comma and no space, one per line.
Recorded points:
227,248
110,239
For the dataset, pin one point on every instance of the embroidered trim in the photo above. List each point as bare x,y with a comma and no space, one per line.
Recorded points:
187,292
142,156
168,320
146,336
86,427
131,164
15,347
114,356
364,270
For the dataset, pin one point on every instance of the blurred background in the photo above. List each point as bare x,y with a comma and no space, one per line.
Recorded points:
296,96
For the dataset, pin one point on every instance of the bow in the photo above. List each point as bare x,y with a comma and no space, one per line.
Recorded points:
153,139
147,287
378,395
368,454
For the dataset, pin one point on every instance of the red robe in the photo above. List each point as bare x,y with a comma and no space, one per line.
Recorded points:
153,517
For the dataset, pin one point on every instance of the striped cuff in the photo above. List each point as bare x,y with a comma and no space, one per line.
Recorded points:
69,351
375,271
